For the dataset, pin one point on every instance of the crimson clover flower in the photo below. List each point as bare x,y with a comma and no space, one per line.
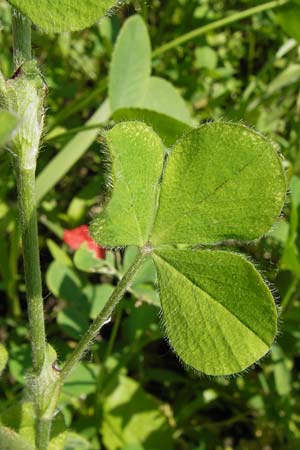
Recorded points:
75,237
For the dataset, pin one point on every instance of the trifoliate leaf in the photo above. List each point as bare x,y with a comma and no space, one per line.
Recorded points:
219,314
222,181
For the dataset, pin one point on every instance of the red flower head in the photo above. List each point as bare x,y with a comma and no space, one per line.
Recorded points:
77,236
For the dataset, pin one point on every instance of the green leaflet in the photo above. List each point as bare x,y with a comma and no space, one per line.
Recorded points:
224,181
137,154
8,123
55,16
218,313
221,181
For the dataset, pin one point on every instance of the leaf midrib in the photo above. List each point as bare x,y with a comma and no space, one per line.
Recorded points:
213,299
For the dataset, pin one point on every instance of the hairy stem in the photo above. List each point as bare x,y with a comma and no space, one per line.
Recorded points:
103,316
218,24
27,95
30,244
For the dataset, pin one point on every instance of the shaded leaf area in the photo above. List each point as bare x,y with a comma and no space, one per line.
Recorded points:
18,422
132,417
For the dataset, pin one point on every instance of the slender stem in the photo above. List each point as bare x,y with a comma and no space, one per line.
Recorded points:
43,433
103,316
21,28
29,231
218,24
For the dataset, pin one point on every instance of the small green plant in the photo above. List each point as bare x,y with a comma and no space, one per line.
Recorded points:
180,195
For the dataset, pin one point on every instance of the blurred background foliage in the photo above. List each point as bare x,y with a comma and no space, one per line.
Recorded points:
131,392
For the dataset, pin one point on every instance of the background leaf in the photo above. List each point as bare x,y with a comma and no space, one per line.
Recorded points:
9,440
131,416
219,315
135,95
131,65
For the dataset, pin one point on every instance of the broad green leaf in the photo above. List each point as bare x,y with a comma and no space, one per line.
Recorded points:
55,16
10,440
137,156
161,96
219,314
131,65
3,358
131,416
222,181
168,128
8,123
134,94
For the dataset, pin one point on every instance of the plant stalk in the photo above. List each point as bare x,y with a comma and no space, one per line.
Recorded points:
30,244
29,92
103,316
218,24
84,344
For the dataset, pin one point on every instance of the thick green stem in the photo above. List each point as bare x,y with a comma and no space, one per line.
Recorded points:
29,231
25,95
21,28
218,24
104,315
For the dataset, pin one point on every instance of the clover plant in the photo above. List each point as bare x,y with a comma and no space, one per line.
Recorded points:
180,196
